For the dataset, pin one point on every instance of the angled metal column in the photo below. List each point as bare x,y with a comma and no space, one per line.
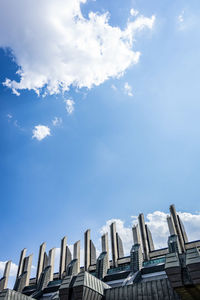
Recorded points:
68,256
87,249
113,237
21,261
136,235
51,259
143,236
45,261
177,227
92,253
76,254
40,261
184,234
105,246
120,248
172,229
27,268
62,257
149,239
4,279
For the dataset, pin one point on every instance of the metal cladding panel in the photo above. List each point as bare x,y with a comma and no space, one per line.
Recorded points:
150,290
144,291
140,292
148,286
193,264
13,295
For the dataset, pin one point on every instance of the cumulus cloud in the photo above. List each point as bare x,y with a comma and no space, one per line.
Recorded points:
69,106
57,121
128,89
158,226
40,132
56,47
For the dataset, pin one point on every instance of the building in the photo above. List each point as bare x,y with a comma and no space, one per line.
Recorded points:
147,273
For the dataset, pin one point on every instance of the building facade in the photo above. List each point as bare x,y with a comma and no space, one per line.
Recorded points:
147,273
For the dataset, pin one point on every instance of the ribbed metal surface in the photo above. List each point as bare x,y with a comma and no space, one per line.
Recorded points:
152,290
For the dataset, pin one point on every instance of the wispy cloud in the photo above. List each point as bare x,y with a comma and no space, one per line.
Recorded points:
128,89
9,116
69,106
181,17
40,132
134,12
113,87
56,47
57,121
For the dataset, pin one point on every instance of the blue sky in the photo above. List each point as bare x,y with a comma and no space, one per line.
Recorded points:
121,141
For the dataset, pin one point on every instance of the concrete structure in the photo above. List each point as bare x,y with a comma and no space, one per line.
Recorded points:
62,266
170,273
90,251
113,238
40,261
76,254
23,280
116,245
178,231
105,246
68,257
51,259
21,261
4,279
143,235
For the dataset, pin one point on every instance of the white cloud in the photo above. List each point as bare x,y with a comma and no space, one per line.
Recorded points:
56,47
9,116
57,121
69,106
134,12
128,89
40,132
